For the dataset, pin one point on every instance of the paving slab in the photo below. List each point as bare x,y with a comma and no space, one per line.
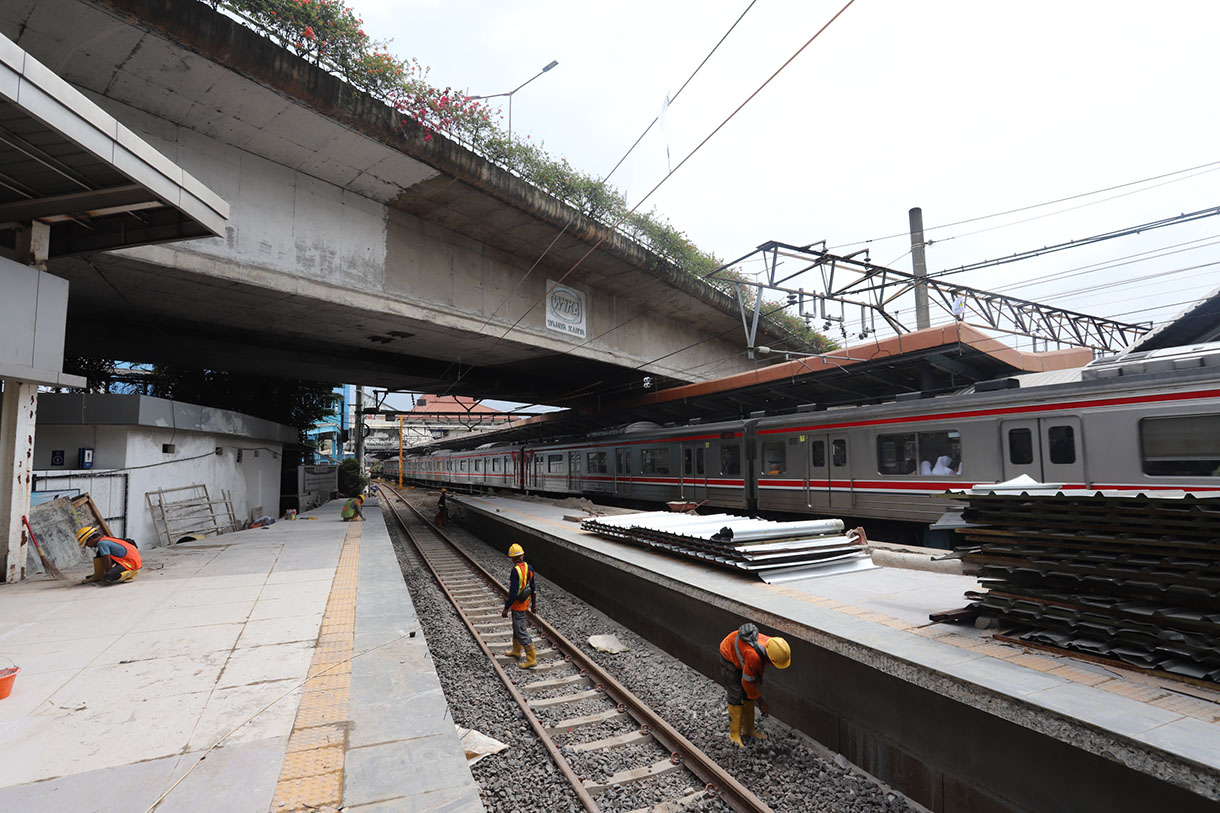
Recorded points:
124,690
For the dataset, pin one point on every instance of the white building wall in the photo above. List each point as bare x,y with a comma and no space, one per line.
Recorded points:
253,482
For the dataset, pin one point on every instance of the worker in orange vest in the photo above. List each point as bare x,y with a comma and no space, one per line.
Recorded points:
744,655
114,560
522,596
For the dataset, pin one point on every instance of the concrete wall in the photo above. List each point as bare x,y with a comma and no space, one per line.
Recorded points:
254,482
131,436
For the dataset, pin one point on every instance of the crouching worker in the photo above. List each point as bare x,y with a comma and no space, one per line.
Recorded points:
744,656
522,596
353,509
114,560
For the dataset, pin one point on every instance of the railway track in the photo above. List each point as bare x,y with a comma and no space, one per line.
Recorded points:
568,699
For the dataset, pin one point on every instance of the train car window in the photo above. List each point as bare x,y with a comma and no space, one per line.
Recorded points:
931,454
624,461
688,461
554,464
1063,444
898,454
478,464
574,463
817,454
1182,446
462,465
1020,446
699,460
495,465
596,462
730,460
774,458
838,452
654,461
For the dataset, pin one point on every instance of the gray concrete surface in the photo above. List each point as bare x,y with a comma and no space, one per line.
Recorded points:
124,688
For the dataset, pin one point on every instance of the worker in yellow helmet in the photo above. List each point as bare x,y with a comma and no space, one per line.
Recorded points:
744,655
522,596
114,560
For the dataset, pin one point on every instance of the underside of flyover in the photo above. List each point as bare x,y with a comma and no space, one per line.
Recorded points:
360,247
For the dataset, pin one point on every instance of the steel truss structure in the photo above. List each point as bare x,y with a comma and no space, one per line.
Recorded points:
852,281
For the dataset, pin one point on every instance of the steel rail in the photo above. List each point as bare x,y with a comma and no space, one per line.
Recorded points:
716,780
577,783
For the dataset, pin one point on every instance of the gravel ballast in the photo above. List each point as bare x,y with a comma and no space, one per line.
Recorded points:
788,771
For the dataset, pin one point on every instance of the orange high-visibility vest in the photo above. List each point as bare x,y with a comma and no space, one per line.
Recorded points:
525,586
131,559
746,658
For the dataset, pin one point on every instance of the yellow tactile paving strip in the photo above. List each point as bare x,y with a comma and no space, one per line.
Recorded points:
312,776
1156,695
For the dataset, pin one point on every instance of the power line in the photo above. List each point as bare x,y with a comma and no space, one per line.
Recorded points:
1085,241
669,175
1213,164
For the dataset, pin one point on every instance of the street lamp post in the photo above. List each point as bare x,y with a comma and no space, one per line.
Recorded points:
510,93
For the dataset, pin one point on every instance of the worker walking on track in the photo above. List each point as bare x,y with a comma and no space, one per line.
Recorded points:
522,596
114,560
442,510
744,655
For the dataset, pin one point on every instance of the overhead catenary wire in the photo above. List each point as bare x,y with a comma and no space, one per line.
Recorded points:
573,214
1210,165
670,174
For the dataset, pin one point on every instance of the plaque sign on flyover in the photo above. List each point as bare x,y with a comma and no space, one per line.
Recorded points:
566,310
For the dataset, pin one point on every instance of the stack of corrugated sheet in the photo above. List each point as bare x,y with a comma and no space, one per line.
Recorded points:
776,551
1132,578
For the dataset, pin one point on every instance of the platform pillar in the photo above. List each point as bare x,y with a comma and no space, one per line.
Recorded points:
18,408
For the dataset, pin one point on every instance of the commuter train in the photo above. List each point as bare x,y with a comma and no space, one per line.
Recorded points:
1146,422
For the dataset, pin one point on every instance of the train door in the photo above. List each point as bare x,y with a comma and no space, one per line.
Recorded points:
1045,449
694,470
622,471
840,480
574,470
817,478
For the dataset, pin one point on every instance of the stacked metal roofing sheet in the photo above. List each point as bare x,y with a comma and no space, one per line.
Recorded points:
1132,578
776,551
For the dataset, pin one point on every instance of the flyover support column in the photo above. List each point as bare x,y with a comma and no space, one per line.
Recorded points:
17,410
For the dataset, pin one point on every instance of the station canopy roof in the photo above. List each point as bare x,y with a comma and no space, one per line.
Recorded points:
929,362
67,163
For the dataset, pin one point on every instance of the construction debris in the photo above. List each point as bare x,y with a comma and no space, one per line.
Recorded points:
607,643
1133,578
775,551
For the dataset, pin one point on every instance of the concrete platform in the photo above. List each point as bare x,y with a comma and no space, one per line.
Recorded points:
953,719
124,689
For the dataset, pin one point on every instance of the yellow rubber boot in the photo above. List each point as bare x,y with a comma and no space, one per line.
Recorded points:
735,726
99,570
747,721
515,652
531,658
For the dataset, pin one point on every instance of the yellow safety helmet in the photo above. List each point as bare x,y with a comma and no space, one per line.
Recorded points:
83,535
515,550
779,653
360,497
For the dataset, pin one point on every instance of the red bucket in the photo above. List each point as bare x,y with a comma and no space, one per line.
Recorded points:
7,676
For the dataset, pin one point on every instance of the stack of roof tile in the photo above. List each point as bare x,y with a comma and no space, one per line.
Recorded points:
1131,578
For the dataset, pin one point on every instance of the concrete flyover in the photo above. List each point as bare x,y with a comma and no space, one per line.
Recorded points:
357,249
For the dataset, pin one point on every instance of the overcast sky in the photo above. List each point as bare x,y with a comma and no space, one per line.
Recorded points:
962,107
